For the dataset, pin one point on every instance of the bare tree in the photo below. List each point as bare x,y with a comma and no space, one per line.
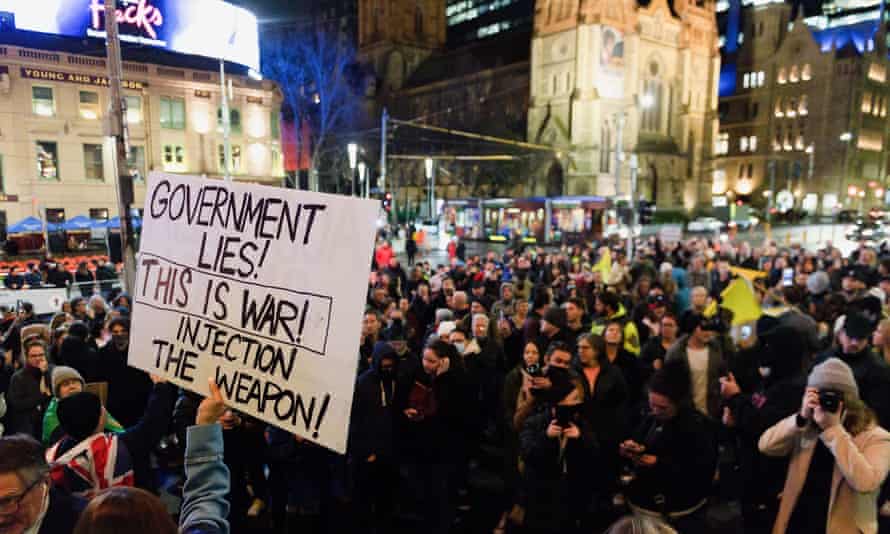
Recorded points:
319,82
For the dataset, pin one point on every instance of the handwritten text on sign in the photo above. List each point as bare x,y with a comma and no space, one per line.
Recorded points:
260,288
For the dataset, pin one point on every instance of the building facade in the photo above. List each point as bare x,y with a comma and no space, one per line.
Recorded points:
649,72
54,153
804,119
472,20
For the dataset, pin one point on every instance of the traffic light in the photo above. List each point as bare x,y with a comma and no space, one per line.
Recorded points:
646,212
387,202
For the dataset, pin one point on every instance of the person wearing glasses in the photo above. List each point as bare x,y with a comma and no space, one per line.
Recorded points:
30,391
28,503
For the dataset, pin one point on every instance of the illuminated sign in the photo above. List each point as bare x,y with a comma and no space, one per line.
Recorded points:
72,77
210,28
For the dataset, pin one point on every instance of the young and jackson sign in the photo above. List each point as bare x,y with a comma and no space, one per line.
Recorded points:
210,28
73,77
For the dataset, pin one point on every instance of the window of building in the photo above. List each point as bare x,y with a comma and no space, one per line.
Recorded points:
803,106
277,162
42,102
99,214
753,110
172,113
275,124
89,105
605,147
777,142
798,143
134,109
791,111
806,72
752,143
761,78
722,145
47,160
92,162
782,77
651,120
866,101
236,159
780,109
234,120
743,143
174,158
746,80
136,163
794,75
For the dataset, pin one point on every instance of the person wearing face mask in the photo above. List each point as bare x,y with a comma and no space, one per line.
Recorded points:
372,439
128,388
782,357
560,450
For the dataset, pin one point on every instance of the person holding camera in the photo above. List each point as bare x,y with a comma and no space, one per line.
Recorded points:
839,457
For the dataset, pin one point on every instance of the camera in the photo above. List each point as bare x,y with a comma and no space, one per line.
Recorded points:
830,400
534,370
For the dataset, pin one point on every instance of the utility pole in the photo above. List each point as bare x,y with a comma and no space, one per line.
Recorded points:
633,207
619,151
117,128
226,120
384,119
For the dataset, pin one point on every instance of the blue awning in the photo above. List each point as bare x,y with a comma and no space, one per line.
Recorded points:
28,225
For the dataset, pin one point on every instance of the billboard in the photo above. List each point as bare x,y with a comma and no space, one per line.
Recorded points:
210,28
610,82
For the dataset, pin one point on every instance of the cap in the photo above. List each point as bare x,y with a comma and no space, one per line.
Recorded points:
858,326
833,373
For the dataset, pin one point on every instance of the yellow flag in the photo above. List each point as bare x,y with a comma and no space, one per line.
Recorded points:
739,297
711,310
604,265
748,274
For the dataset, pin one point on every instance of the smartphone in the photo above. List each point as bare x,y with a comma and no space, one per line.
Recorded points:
564,415
746,332
788,277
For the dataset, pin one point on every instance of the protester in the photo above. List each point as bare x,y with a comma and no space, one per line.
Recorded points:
702,353
834,438
30,391
128,388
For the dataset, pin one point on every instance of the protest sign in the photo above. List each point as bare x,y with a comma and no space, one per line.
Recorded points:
670,233
260,288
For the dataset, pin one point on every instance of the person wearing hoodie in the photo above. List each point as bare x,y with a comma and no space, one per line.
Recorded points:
372,438
30,391
67,382
614,311
78,458
75,352
782,357
128,388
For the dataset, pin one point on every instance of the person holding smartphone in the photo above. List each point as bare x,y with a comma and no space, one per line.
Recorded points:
560,451
838,457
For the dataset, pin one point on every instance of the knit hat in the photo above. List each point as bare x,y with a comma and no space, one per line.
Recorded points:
858,326
833,373
61,374
79,414
445,328
818,283
556,316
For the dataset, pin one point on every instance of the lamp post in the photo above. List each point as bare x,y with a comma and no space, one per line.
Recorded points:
363,178
644,102
352,152
430,168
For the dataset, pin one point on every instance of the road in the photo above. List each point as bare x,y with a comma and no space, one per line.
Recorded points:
810,236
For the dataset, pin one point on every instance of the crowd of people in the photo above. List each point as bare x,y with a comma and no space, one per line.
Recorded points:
602,393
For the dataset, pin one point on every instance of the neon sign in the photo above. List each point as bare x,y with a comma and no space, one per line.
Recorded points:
141,14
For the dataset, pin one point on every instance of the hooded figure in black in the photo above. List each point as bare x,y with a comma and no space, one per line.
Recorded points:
372,439
78,354
782,358
128,387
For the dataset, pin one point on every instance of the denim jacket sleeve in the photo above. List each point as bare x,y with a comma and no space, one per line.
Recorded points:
204,507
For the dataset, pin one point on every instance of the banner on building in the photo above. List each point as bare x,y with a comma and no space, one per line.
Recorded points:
610,81
259,288
45,301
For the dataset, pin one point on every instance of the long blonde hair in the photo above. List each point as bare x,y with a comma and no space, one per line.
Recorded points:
858,417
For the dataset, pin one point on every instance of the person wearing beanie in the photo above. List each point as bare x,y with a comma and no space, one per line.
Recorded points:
674,454
838,457
67,382
872,375
78,457
554,327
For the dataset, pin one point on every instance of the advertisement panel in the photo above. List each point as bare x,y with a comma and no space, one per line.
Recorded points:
210,28
610,82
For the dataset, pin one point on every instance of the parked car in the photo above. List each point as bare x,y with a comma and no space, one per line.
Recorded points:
705,225
866,230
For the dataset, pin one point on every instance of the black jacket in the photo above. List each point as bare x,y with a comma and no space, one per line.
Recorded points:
62,514
557,482
605,408
686,452
128,387
77,354
434,438
372,424
26,403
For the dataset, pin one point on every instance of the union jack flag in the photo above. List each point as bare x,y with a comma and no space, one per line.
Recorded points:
96,463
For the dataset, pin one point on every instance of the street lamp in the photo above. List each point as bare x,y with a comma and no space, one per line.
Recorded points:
430,169
362,177
643,102
352,151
